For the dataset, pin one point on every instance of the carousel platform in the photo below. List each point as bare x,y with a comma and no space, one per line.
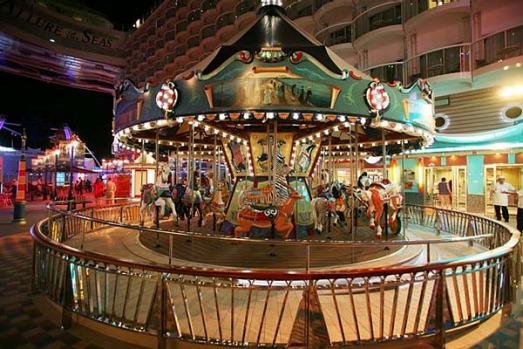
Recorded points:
196,250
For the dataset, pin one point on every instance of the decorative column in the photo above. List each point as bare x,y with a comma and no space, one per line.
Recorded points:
20,202
70,197
56,152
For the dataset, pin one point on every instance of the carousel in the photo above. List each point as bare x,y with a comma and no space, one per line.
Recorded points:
251,135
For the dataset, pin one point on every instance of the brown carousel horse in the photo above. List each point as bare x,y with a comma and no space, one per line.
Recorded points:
280,216
376,197
215,209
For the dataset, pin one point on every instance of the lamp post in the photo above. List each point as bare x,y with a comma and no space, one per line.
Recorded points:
70,198
20,203
56,152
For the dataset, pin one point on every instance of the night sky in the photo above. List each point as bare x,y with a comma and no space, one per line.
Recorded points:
47,106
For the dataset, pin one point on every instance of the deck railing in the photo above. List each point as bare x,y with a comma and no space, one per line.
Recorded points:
311,307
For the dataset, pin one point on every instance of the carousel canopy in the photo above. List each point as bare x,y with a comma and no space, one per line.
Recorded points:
274,75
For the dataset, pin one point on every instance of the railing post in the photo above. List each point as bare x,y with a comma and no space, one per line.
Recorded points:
162,343
121,214
439,339
92,222
67,295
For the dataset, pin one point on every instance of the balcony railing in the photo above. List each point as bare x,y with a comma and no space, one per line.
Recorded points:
340,33
244,7
225,20
498,47
451,59
415,7
388,72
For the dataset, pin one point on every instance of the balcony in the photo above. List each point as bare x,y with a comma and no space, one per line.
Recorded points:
193,46
245,13
378,17
194,21
225,26
169,36
388,72
300,9
449,60
498,47
208,40
336,35
181,32
209,11
415,7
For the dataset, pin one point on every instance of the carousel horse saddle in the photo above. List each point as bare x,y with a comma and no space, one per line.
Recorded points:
259,213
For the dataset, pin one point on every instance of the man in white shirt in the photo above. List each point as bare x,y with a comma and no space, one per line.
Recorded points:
499,194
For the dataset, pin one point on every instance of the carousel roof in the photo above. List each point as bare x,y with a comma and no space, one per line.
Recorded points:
275,73
273,29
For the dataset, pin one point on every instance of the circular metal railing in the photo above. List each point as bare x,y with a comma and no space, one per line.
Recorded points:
260,307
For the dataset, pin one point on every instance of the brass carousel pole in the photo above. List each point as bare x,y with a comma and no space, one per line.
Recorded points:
156,173
402,181
351,183
356,168
330,169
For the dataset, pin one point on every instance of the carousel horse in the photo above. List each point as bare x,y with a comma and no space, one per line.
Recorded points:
280,216
330,201
188,202
158,194
215,208
376,197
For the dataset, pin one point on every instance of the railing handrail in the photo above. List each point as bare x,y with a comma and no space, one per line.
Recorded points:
311,274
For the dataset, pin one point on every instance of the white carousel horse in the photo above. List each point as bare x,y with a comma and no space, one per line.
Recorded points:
280,216
330,201
158,194
376,197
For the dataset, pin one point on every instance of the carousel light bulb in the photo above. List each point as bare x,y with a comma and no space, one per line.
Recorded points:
326,132
319,117
336,129
224,134
179,119
201,117
342,118
318,135
295,116
216,132
270,115
246,116
222,116
346,124
363,120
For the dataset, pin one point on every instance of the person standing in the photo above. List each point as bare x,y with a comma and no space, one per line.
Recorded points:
98,191
445,193
499,194
110,190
